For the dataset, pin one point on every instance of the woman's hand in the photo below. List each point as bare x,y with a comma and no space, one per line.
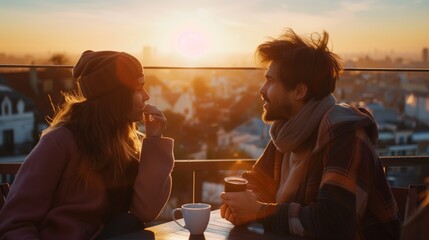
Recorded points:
154,121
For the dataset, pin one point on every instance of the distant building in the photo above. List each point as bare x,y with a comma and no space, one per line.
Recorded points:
221,87
182,103
381,114
396,142
157,98
250,137
43,87
16,122
148,53
417,106
185,105
425,55
27,98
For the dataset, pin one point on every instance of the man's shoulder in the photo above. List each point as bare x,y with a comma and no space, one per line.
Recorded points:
347,114
344,118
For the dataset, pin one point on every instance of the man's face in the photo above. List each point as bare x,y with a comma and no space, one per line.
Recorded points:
279,102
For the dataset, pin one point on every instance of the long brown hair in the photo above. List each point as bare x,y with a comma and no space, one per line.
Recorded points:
106,139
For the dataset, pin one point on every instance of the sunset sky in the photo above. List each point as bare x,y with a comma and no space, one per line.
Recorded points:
203,28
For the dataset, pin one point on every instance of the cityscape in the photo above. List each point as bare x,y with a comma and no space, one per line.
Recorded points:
201,71
215,114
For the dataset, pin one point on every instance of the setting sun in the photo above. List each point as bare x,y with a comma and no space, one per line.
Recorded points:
192,43
212,32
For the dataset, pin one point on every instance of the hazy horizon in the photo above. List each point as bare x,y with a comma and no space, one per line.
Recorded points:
210,31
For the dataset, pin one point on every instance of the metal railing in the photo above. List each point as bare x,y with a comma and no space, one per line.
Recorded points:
363,69
195,167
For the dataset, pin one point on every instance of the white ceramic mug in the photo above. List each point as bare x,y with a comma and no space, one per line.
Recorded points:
196,216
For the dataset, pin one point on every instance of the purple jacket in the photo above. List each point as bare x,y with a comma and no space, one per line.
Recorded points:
45,201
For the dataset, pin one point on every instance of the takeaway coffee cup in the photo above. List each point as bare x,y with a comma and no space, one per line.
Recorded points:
196,216
235,184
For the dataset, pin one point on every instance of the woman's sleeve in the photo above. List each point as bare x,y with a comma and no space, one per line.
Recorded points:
32,191
152,186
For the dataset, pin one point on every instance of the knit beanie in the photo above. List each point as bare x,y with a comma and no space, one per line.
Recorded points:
99,73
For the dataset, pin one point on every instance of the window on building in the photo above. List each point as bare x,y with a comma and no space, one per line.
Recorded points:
402,140
8,142
6,107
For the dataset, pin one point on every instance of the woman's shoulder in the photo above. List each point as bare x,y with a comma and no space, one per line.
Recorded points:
60,132
61,135
56,146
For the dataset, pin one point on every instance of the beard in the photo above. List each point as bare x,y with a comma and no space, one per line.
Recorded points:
266,117
271,114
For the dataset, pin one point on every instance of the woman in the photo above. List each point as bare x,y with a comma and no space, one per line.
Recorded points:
91,164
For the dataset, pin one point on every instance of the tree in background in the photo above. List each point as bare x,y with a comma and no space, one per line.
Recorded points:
58,59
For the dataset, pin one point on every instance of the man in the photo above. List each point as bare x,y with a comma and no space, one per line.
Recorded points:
319,176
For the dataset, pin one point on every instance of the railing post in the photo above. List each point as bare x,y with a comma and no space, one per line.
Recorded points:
198,187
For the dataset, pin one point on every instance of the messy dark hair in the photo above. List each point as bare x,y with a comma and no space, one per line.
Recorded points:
303,60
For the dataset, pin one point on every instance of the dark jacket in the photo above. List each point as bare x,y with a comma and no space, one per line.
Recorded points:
344,194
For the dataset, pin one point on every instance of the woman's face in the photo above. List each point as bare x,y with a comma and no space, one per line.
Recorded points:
139,98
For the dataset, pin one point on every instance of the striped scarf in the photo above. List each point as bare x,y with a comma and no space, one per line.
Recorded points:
288,137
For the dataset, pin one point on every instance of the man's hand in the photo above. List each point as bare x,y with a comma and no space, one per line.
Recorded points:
239,207
226,213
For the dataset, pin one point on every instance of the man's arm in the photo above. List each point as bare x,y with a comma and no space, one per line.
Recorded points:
263,179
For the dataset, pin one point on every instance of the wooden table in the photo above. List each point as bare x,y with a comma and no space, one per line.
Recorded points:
217,229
